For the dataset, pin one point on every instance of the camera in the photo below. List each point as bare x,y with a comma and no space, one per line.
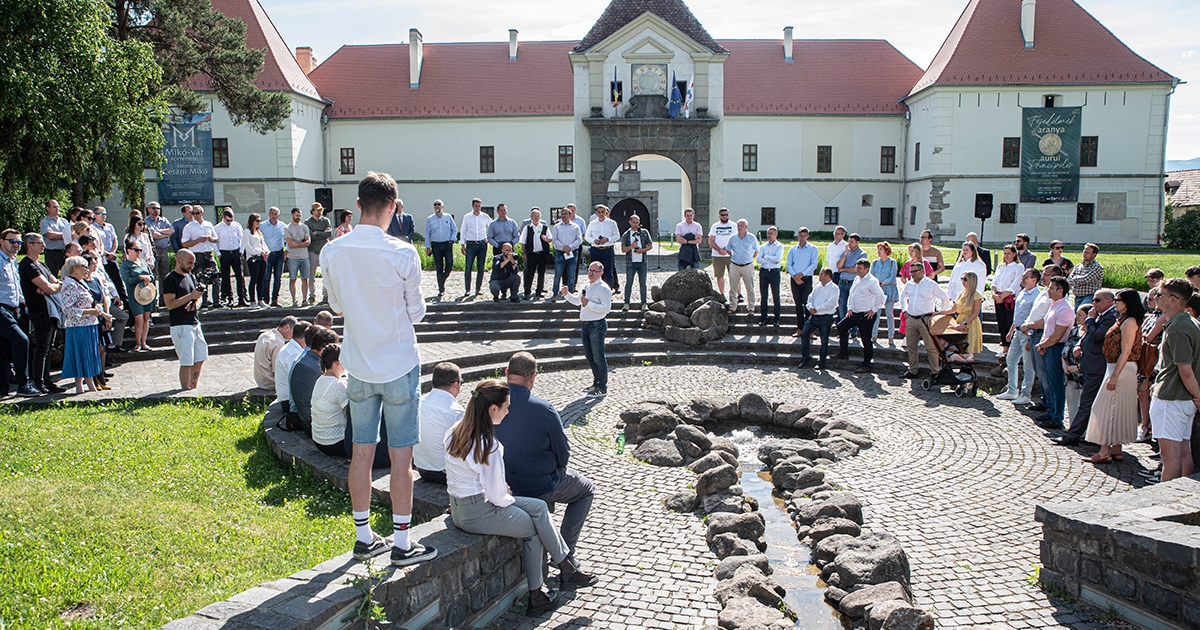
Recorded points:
204,278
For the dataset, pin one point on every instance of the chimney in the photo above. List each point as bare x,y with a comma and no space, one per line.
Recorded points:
512,44
414,58
305,59
787,44
1028,7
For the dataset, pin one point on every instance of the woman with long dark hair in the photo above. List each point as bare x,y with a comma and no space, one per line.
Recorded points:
256,260
1115,415
481,504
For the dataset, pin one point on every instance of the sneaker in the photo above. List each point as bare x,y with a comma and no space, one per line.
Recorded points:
415,554
28,390
911,375
625,309
1006,395
645,307
1143,435
1022,400
362,550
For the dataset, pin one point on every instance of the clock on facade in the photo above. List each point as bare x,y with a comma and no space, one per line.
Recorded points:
650,79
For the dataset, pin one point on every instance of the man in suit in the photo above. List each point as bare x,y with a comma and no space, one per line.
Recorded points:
401,226
1091,364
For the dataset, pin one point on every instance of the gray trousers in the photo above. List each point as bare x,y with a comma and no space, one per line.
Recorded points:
120,320
527,519
577,492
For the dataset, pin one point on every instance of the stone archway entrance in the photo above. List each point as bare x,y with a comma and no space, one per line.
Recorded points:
627,208
687,142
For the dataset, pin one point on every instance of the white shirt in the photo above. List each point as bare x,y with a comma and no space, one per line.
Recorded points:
960,269
865,295
474,227
923,298
824,299
606,229
723,232
256,245
770,255
438,412
194,230
374,280
266,349
599,301
1041,306
284,360
229,236
329,402
1008,277
834,253
465,478
538,243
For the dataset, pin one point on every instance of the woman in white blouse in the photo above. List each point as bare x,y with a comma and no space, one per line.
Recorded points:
1006,284
480,502
968,260
256,260
328,406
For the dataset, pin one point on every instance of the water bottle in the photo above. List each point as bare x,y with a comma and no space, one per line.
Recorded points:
620,443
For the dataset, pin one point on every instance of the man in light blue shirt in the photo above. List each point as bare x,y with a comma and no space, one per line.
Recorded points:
272,231
1020,349
440,234
847,267
801,265
501,230
10,331
582,224
160,230
52,228
566,238
743,248
770,258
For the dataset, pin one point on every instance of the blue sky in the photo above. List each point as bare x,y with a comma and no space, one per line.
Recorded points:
915,27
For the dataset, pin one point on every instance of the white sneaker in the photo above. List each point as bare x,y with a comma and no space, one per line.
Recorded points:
1143,434
1022,400
1007,395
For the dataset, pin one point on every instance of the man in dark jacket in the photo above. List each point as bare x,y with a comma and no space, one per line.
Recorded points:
536,454
402,226
1091,364
306,372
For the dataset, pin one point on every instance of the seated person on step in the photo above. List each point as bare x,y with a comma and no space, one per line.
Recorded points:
329,404
437,413
306,372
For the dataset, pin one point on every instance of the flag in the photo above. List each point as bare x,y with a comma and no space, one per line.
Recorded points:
616,88
687,100
676,99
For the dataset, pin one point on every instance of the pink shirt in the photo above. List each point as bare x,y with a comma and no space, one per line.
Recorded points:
1060,315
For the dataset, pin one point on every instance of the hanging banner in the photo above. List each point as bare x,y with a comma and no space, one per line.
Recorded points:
1050,154
187,175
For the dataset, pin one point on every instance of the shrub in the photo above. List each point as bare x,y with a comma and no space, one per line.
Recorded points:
1182,232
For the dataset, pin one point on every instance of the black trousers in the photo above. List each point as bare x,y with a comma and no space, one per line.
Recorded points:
41,339
536,265
800,293
114,274
55,258
607,258
864,324
1091,387
204,261
768,279
14,344
443,262
231,263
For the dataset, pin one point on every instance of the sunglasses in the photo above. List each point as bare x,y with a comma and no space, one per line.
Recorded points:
133,249
1057,247
13,241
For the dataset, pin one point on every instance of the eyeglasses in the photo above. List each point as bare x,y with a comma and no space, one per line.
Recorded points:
1057,247
133,249
12,241
141,223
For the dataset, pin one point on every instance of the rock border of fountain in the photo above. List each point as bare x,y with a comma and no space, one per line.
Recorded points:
866,572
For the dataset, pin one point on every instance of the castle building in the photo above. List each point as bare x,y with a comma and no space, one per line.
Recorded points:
785,132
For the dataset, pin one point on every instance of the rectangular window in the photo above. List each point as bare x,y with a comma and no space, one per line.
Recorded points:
1049,100
1011,157
1008,213
749,157
1085,213
487,159
917,157
887,216
912,215
1089,147
887,159
566,159
824,159
767,217
629,165
347,161
488,210
831,215
220,152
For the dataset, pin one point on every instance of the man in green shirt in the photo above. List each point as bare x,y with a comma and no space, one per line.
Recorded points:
1176,392
321,231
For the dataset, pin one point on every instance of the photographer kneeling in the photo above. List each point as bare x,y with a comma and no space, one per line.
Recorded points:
182,295
506,274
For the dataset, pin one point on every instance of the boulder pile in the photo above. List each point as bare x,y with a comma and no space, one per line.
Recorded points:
687,309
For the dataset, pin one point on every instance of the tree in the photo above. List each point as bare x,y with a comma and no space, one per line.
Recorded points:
1182,232
190,38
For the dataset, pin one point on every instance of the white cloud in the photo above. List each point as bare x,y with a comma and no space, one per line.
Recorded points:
1190,54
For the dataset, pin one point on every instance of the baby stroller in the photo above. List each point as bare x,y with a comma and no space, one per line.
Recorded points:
958,375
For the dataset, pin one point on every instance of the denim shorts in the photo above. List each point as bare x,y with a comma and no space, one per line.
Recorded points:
300,265
396,401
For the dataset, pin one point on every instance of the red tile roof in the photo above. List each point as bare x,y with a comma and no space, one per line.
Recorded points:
465,79
828,76
280,71
1071,47
622,12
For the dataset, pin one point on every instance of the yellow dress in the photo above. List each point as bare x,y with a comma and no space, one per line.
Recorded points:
963,310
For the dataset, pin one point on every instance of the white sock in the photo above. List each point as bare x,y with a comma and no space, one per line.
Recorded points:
400,529
362,526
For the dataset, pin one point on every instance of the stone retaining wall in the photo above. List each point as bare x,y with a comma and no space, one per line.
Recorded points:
1136,552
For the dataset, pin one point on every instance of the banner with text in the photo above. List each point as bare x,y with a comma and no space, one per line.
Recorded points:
1050,154
187,175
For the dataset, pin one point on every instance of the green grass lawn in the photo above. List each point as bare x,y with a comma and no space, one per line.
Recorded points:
148,512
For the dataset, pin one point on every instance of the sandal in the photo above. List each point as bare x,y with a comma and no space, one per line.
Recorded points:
1119,457
1096,459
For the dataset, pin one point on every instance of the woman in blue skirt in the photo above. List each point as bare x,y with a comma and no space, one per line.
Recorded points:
81,353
